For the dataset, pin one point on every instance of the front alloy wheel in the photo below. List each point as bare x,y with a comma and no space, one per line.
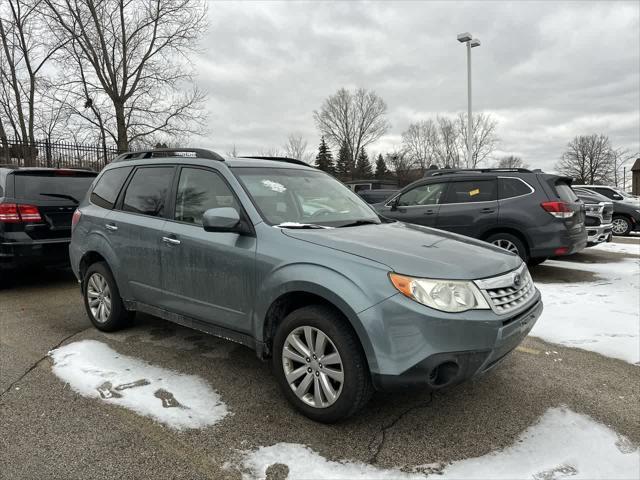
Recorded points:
313,367
620,226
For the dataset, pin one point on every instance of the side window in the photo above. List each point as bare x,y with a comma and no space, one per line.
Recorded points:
604,191
512,187
106,190
147,191
429,194
198,191
472,191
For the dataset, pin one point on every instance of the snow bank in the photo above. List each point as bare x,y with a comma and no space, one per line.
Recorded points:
563,444
179,401
602,315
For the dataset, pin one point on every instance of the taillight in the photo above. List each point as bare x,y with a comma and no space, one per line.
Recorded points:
19,213
75,219
9,213
558,209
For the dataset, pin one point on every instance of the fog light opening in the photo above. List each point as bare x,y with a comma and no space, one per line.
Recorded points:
443,374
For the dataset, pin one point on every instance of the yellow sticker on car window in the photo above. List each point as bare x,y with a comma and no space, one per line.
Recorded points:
474,192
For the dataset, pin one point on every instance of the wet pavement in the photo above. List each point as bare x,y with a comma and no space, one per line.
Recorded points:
47,430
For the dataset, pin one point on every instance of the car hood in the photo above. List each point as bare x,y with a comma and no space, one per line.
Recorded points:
414,250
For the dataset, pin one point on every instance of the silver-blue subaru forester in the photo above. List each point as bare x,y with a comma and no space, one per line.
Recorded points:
285,259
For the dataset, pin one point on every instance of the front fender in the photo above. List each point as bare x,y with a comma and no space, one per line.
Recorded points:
333,286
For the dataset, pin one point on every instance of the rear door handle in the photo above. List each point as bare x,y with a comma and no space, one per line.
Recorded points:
171,240
111,226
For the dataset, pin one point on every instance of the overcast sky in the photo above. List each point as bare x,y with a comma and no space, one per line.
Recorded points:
547,71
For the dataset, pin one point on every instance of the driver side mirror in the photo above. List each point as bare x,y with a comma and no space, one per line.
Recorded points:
394,204
617,197
226,219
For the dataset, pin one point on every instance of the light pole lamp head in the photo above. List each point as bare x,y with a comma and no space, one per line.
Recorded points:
475,43
464,37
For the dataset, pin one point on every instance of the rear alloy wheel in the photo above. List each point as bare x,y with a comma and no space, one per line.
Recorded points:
620,226
102,299
320,365
510,243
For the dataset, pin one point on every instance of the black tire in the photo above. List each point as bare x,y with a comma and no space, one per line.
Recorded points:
521,248
537,261
118,317
620,222
356,388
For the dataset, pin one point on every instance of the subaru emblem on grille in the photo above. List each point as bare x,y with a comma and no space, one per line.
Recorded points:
516,279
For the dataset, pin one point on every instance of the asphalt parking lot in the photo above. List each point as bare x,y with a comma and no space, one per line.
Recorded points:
49,431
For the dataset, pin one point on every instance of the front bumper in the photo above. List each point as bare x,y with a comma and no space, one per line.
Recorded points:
599,234
435,351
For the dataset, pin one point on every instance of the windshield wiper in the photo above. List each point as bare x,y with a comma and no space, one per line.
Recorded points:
61,195
357,223
300,225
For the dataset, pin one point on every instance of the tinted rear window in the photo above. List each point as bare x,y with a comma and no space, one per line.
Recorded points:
512,187
106,190
147,191
565,192
53,185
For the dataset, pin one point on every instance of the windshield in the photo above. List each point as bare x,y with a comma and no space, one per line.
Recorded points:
296,197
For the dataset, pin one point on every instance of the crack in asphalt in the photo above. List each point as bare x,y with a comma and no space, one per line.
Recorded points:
378,448
37,362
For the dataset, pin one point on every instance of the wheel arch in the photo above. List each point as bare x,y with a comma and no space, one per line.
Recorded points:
511,231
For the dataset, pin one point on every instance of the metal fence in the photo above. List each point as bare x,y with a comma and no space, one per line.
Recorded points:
55,154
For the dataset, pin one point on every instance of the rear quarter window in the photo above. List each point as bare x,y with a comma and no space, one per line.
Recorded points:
512,187
106,191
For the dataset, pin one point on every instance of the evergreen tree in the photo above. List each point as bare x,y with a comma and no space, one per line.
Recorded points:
363,166
381,168
343,165
324,159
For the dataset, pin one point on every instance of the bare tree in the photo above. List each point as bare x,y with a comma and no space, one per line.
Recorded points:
233,153
25,49
419,141
129,58
620,157
511,161
296,147
588,159
401,164
484,139
446,150
355,118
270,152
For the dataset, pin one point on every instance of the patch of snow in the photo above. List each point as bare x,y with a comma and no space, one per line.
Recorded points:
601,315
274,186
619,247
562,444
95,370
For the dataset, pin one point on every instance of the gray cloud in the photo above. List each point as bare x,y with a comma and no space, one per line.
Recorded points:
547,70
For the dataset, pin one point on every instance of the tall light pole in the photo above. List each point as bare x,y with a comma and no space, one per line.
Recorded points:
471,42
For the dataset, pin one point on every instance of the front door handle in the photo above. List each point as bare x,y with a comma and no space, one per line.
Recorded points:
431,211
488,210
111,227
171,240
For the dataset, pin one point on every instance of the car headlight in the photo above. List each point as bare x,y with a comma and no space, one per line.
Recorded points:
444,295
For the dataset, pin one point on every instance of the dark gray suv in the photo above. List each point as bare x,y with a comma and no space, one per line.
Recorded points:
285,259
533,214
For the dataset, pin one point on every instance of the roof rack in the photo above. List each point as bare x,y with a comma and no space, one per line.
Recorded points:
169,152
447,171
279,159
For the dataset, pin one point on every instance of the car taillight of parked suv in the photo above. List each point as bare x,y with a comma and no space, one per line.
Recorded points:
285,259
533,214
36,210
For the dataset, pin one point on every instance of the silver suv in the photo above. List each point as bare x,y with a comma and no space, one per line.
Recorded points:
286,260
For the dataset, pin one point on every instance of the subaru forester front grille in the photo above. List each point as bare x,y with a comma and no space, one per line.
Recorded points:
508,292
